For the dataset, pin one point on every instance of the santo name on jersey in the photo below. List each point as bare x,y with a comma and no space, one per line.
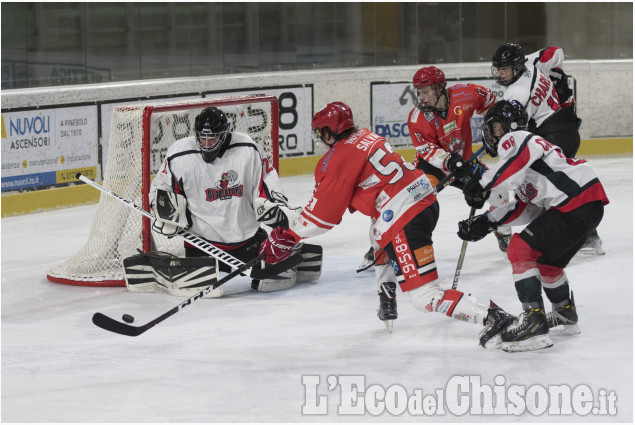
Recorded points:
220,195
541,177
363,173
435,137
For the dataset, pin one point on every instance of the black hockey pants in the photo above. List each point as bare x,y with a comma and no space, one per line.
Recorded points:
561,129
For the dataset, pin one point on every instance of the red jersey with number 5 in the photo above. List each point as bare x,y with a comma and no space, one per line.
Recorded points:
363,173
435,137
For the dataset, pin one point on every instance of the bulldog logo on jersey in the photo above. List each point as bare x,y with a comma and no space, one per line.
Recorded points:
455,144
526,192
224,188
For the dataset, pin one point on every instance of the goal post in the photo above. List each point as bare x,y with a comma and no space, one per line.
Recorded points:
140,135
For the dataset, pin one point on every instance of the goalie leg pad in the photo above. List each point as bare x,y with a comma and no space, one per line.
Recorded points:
283,280
161,272
310,268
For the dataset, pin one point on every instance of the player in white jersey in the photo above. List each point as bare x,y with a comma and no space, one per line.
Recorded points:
219,185
539,84
528,80
560,200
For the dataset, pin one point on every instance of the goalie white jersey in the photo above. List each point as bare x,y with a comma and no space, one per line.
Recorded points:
541,177
220,195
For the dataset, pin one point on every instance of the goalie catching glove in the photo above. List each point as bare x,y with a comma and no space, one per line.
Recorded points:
169,211
275,212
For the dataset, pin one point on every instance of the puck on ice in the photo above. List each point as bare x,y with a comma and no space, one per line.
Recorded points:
127,318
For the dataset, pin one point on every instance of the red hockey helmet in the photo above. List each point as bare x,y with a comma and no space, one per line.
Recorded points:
335,116
428,76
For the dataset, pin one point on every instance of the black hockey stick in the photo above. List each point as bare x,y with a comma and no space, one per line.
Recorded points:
445,182
459,265
116,326
257,273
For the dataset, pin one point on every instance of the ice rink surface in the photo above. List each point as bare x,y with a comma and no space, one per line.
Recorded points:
242,358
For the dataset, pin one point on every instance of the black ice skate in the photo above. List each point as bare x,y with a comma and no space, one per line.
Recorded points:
529,332
592,245
387,304
566,316
496,321
503,240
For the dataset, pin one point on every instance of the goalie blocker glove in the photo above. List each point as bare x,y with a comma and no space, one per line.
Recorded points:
275,212
169,213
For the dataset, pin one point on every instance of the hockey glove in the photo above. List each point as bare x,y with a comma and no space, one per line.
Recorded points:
475,228
475,195
476,169
454,163
275,212
169,213
561,83
278,245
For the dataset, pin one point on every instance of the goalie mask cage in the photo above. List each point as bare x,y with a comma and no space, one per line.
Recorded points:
140,135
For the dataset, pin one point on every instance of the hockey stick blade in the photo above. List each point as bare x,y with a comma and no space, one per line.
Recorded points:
273,270
112,325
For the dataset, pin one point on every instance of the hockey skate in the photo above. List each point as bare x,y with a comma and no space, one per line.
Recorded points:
387,311
368,262
566,316
496,321
503,240
592,245
529,332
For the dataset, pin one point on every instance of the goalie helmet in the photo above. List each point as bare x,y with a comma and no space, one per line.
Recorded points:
510,115
212,132
508,55
337,117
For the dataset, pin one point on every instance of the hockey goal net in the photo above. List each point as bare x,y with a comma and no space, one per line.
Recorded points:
140,135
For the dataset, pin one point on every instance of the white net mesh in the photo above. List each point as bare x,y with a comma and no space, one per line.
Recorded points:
117,231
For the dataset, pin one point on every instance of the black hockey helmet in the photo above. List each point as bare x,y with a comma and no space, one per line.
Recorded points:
212,123
508,55
510,115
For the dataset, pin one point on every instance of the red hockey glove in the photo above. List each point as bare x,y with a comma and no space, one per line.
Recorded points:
279,245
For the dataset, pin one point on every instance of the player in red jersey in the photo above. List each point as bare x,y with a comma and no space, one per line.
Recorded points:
361,172
439,124
440,129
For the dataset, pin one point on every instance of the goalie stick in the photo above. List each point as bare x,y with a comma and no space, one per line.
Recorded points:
118,327
258,274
